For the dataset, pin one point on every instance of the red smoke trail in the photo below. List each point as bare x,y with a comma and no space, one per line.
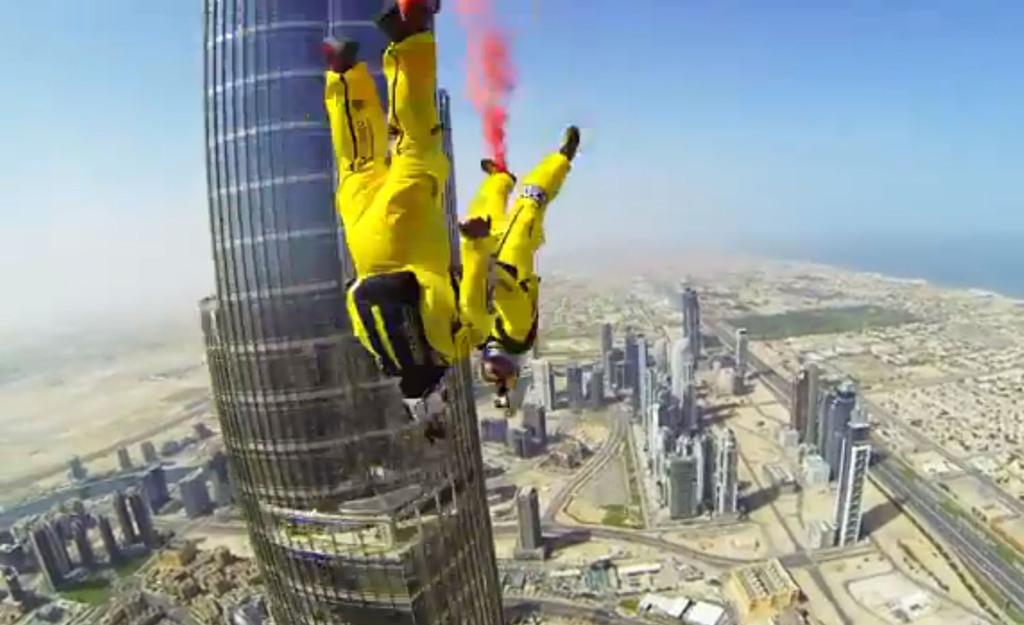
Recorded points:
491,77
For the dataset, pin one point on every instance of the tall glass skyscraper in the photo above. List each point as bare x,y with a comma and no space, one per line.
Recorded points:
354,517
691,320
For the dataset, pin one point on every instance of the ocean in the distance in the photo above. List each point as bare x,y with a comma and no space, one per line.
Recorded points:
991,262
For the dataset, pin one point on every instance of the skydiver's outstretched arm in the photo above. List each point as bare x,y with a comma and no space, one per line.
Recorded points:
524,233
411,69
491,199
358,129
477,251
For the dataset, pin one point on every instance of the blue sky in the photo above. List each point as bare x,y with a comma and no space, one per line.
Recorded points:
704,121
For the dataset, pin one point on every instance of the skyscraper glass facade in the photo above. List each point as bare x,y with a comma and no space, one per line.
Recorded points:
354,517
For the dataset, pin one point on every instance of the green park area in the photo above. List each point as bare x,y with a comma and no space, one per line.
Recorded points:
94,591
97,590
620,516
630,604
820,321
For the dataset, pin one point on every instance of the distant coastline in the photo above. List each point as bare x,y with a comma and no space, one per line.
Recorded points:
991,264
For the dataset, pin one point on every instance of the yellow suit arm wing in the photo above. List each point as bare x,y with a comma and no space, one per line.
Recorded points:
492,198
474,311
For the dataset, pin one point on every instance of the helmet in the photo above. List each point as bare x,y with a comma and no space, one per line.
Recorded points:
499,367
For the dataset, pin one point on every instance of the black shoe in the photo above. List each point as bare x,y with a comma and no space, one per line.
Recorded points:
419,18
340,55
490,168
570,142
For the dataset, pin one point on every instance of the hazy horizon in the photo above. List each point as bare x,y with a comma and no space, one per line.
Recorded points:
777,132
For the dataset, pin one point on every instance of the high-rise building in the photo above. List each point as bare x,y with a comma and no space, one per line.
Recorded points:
143,516
650,385
219,472
828,396
607,338
742,358
683,499
726,483
684,386
691,322
631,353
107,536
704,449
195,495
611,362
840,412
657,432
354,517
52,564
595,389
620,375
519,442
80,534
60,531
148,451
682,369
663,450
852,474
799,407
76,469
574,386
124,459
535,420
690,414
543,383
660,355
641,390
13,584
154,485
124,519
812,422
531,540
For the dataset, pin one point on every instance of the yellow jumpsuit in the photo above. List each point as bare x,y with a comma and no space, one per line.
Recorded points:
518,234
393,213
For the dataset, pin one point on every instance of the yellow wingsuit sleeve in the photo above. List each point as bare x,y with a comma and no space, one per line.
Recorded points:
491,200
473,309
358,127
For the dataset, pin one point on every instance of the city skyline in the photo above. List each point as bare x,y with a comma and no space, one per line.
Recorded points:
694,437
746,498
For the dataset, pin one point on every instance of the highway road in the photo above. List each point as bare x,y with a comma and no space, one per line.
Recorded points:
959,534
618,425
980,556
881,414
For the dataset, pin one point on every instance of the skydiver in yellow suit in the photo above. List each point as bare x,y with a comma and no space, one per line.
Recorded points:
518,233
406,308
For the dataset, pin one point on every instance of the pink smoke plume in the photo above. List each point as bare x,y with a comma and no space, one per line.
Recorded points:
491,78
